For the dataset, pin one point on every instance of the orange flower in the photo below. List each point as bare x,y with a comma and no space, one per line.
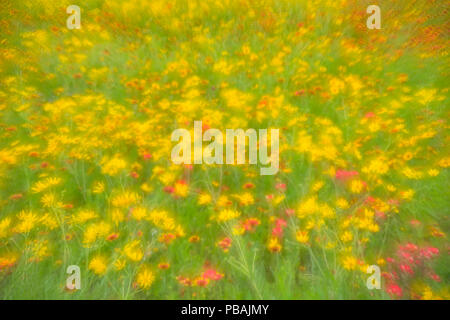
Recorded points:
166,238
164,265
194,238
274,245
225,244
201,282
112,236
16,196
184,281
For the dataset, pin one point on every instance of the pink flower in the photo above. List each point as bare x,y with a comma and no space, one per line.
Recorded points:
369,115
369,199
212,274
435,277
290,212
429,252
277,231
406,268
169,189
281,187
281,223
394,290
411,247
250,224
344,175
414,223
380,214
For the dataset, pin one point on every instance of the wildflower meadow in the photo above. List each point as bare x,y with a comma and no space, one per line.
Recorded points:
354,200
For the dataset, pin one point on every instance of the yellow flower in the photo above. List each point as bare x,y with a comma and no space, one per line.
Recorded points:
8,260
47,220
317,186
274,245
40,249
113,166
94,232
356,186
391,188
350,263
277,200
119,264
45,184
28,221
83,216
139,213
407,195
117,216
99,187
307,207
223,201
181,189
204,199
98,265
381,262
377,166
433,172
125,199
346,236
4,227
407,156
245,199
302,236
145,277
49,201
342,203
373,227
146,187
133,251
227,214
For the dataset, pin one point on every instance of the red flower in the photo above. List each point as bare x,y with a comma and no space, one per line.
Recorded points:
212,274
250,224
147,156
134,174
163,265
281,187
277,231
429,252
201,282
225,244
406,268
112,236
281,223
184,281
344,175
290,212
369,115
394,290
169,189
16,196
415,223
249,185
